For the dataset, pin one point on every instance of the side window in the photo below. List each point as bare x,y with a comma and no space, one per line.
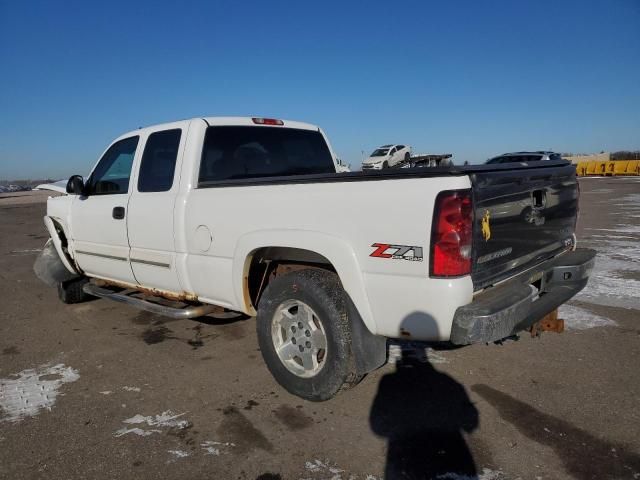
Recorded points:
392,151
400,147
498,160
111,175
159,161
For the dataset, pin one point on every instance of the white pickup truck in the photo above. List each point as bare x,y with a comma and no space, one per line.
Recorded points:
249,215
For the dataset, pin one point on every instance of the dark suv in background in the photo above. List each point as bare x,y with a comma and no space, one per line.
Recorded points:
524,157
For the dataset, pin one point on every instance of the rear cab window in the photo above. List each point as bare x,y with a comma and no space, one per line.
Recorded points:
246,152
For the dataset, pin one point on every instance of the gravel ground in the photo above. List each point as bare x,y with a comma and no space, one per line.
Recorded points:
116,393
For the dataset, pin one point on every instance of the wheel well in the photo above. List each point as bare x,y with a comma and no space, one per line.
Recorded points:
64,243
61,235
267,263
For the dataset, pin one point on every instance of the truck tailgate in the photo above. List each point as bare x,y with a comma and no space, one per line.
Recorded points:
523,216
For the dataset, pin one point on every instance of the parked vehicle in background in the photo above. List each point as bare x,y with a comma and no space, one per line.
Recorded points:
387,156
342,167
431,160
525,157
249,215
14,188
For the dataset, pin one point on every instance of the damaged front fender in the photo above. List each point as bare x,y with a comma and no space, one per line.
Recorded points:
49,268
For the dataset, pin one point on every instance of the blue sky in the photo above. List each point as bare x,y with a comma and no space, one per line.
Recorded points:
473,78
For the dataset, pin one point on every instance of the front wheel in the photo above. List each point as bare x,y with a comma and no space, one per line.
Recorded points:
385,164
304,334
71,291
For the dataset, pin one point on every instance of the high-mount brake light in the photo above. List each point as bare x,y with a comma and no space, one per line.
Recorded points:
452,234
267,121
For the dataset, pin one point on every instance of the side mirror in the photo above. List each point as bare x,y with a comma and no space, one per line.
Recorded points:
75,185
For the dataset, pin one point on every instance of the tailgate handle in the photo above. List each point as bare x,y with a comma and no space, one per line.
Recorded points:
539,198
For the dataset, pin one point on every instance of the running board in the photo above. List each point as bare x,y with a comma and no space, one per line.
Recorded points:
172,312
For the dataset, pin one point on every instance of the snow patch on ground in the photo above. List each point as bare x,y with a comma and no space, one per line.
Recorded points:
326,470
106,392
607,286
416,351
166,419
486,474
576,318
177,454
131,389
618,229
32,390
211,447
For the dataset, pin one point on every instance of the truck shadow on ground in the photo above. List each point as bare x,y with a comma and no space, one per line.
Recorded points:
423,413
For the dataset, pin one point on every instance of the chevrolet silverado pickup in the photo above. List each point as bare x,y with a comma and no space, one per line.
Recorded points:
249,215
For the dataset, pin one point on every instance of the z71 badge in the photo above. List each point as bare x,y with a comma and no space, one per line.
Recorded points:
397,252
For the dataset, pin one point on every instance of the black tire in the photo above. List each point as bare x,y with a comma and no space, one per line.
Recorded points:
407,157
71,291
323,293
385,164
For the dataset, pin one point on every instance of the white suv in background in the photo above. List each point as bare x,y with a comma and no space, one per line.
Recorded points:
519,157
387,156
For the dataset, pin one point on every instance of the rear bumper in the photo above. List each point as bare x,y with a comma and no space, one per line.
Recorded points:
517,304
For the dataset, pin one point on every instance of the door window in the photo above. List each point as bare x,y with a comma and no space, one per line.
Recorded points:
159,161
111,175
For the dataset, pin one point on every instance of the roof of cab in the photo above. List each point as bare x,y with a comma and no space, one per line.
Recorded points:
219,121
248,121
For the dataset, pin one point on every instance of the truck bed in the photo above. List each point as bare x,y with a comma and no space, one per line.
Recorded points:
530,210
385,174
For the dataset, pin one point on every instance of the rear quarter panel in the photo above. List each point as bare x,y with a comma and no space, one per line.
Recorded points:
341,221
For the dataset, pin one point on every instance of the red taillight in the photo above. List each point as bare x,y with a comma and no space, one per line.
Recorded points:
267,121
451,234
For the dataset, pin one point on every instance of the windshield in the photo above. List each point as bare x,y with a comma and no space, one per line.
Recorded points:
380,152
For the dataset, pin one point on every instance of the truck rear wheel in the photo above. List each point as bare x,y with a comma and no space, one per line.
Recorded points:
304,334
71,291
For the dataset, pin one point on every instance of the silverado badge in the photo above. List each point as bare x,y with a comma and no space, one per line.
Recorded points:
486,228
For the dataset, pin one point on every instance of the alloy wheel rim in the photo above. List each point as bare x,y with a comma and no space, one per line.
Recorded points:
299,338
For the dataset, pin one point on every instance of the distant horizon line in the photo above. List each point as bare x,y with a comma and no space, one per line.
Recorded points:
564,154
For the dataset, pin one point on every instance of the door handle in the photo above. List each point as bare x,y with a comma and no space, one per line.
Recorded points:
118,213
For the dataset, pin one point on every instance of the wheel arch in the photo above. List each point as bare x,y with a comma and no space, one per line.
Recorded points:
304,248
59,237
